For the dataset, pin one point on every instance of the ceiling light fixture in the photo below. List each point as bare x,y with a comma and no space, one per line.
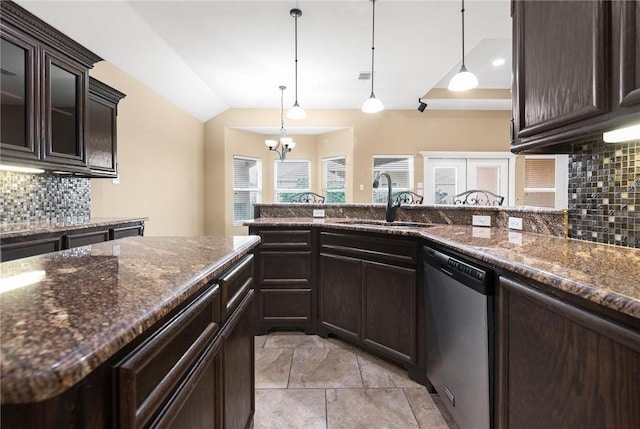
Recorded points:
464,80
296,112
285,144
372,104
422,105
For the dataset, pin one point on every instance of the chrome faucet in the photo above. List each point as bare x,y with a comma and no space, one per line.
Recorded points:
391,208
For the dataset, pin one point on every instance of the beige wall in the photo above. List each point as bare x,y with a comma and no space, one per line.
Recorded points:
392,132
160,161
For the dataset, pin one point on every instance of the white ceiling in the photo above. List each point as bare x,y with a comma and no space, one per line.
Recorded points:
210,55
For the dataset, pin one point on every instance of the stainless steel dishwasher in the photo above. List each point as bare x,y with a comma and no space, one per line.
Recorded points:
459,298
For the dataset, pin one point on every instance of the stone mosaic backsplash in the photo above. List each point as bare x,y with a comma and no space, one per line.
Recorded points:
43,197
604,193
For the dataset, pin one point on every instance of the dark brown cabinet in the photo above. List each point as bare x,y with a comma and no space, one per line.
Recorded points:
368,293
194,369
31,245
101,134
576,71
286,293
54,116
563,366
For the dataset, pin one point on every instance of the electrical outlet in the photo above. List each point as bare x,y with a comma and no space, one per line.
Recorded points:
515,237
515,223
481,220
318,213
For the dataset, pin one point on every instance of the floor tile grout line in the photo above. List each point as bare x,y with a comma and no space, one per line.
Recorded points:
326,410
411,407
290,367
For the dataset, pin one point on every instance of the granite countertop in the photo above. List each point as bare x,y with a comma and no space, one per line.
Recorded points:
84,304
23,229
604,274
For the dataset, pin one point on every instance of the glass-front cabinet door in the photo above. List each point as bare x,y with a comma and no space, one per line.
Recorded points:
64,106
19,110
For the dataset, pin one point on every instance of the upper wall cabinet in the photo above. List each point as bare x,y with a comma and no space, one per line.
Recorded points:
46,100
101,135
576,71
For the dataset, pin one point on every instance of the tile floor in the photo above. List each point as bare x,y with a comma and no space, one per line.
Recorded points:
307,382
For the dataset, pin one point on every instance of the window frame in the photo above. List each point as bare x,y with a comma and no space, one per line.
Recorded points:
325,178
257,190
383,188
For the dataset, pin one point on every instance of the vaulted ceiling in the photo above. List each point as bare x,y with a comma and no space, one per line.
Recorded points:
210,55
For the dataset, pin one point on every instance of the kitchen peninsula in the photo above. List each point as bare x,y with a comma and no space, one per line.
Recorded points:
130,332
566,314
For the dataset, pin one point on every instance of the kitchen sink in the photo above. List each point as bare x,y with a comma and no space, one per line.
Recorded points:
386,225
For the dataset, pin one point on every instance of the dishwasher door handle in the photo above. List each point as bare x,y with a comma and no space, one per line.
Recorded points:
449,273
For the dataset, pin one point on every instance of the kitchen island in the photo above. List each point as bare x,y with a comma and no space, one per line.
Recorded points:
121,333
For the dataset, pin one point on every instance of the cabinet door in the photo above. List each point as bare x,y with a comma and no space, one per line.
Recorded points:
239,367
626,53
64,101
198,404
389,310
562,367
340,294
19,138
560,64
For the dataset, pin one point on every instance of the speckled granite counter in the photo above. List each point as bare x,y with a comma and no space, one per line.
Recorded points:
24,229
603,274
85,304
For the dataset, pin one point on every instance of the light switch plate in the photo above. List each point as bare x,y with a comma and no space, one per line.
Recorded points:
515,223
318,213
481,220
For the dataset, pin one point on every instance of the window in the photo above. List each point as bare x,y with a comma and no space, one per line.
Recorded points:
291,177
544,180
247,187
399,167
334,172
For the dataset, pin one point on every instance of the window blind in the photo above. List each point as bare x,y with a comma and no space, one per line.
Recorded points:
291,177
399,167
247,187
335,179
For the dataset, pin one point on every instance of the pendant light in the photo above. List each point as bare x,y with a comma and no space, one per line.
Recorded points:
372,104
285,144
296,112
464,80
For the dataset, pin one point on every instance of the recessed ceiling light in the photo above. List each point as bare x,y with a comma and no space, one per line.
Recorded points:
498,62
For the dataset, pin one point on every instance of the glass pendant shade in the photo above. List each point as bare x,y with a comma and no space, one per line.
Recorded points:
463,81
270,143
372,105
286,140
296,112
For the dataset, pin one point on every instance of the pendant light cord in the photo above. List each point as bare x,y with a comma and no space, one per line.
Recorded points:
296,48
373,38
282,88
463,66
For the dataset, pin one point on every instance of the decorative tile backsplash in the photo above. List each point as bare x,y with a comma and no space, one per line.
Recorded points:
43,197
604,193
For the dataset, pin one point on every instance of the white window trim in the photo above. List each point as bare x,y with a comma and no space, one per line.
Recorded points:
412,171
258,189
325,190
561,181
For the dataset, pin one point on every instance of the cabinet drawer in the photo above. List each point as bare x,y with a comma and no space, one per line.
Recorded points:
285,305
286,240
286,269
126,231
85,238
149,375
235,284
12,251
374,248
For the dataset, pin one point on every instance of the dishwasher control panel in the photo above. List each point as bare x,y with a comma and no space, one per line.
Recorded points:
466,269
